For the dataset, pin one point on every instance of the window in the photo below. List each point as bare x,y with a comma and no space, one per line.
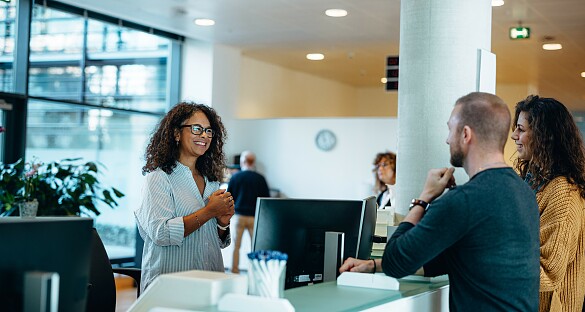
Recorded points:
119,67
97,87
115,139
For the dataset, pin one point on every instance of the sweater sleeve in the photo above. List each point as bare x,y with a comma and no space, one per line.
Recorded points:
560,206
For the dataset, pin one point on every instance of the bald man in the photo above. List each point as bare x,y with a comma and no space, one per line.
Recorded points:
245,186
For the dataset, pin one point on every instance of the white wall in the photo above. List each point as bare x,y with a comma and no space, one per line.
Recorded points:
196,71
287,154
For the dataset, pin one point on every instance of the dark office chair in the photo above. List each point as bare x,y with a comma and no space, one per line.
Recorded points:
101,294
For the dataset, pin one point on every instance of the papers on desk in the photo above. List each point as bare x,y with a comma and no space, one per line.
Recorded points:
424,279
368,280
382,281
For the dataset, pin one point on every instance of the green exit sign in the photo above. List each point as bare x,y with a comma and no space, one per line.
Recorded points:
519,33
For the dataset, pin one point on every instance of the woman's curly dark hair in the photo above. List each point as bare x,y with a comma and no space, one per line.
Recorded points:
162,150
556,145
391,158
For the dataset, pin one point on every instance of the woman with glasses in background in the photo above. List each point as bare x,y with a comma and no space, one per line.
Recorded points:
551,159
385,179
184,217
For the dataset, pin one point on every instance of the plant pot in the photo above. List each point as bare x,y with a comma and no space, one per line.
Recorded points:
28,209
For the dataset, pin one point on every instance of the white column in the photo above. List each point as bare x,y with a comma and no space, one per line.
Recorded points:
439,62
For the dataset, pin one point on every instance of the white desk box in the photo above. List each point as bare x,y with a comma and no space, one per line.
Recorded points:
189,290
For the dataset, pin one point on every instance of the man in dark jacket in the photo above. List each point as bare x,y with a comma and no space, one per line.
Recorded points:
245,186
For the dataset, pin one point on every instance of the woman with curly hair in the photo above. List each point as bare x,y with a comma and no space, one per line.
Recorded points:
551,159
385,178
184,217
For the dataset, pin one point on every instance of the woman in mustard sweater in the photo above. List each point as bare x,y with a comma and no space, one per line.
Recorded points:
551,158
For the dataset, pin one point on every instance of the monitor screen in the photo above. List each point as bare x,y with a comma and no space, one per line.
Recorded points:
297,227
48,244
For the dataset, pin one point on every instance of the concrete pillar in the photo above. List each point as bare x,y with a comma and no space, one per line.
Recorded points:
440,48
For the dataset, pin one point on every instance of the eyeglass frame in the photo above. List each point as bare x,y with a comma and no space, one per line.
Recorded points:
382,164
208,131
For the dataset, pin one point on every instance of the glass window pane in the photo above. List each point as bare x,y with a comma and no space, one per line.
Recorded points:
117,140
55,33
7,28
103,37
132,86
58,82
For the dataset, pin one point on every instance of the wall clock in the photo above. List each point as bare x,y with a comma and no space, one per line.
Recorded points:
325,140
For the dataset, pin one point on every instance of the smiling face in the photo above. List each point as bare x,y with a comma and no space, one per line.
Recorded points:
191,145
522,136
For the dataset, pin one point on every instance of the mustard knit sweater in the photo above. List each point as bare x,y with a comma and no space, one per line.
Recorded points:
562,247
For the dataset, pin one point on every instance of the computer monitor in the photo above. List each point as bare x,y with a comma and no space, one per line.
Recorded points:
48,244
297,227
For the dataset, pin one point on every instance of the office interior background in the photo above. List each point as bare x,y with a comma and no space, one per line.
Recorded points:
102,73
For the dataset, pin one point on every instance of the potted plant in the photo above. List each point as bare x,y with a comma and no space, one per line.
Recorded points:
61,188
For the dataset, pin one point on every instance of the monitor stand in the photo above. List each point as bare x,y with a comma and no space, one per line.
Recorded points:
333,255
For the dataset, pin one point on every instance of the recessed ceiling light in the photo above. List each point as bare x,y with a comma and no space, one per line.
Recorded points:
204,22
336,12
384,80
583,74
315,56
497,3
552,46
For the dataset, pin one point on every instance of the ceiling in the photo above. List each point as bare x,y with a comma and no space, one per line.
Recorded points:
282,32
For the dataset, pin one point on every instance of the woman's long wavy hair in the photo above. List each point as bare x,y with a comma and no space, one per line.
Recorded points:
163,152
391,158
556,145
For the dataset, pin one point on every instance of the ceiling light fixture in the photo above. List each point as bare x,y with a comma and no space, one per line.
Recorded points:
497,3
204,22
583,74
336,12
550,44
315,56
384,80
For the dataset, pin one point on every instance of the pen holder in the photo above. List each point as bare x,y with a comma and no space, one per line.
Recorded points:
266,273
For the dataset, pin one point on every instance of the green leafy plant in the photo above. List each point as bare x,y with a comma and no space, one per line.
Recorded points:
66,187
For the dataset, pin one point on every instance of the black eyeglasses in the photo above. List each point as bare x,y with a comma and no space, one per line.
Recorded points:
197,129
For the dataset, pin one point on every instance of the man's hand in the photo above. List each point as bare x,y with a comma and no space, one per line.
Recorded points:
357,265
437,181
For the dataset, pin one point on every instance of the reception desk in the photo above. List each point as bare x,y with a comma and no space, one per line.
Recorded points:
412,296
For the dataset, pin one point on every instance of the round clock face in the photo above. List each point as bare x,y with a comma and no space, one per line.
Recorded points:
325,140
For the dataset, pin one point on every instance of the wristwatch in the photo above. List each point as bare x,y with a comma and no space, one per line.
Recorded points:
419,202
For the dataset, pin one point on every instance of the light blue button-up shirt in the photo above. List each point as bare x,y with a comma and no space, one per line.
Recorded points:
167,198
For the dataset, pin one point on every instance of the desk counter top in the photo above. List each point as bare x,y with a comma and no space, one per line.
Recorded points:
330,297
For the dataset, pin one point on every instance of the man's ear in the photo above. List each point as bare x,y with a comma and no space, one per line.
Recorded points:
466,134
